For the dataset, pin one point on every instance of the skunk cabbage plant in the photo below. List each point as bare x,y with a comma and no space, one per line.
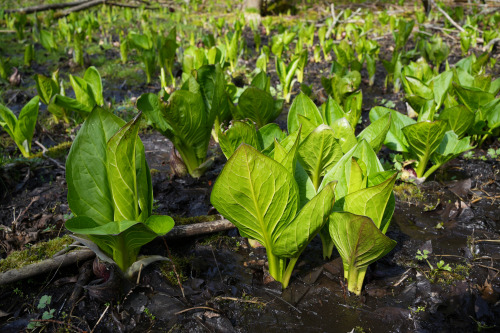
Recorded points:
261,197
21,129
110,191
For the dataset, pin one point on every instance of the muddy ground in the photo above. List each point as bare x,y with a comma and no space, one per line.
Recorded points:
224,284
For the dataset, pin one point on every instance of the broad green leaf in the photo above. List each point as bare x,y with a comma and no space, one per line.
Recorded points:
258,106
25,127
341,171
83,91
416,87
89,192
257,194
473,98
331,111
299,232
442,84
212,85
286,154
358,179
238,132
266,135
395,138
46,88
459,119
93,78
8,120
71,104
491,113
423,139
319,152
121,171
262,81
495,87
376,132
359,243
344,133
304,184
450,148
371,202
302,105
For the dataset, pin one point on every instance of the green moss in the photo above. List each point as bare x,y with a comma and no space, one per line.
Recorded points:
58,151
408,192
34,253
220,240
179,220
182,265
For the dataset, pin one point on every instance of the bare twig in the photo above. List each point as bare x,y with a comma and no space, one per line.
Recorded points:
83,6
445,14
100,318
198,229
196,308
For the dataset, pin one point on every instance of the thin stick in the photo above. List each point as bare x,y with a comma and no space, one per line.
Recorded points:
447,16
58,322
404,277
100,318
217,265
175,270
281,299
41,8
195,308
226,298
488,267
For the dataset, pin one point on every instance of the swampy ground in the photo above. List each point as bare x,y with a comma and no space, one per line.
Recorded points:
218,283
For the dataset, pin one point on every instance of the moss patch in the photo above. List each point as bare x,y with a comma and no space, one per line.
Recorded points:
35,253
179,220
182,264
408,192
58,151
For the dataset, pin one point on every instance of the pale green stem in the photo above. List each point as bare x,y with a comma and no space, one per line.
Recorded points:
288,272
421,165
355,279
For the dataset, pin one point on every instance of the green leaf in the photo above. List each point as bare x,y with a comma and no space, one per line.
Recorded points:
83,91
257,194
331,111
267,134
359,243
68,103
25,127
89,192
237,133
395,138
344,133
459,119
299,232
423,139
442,84
376,132
46,88
319,152
121,171
473,98
212,85
450,148
371,202
93,79
302,105
258,106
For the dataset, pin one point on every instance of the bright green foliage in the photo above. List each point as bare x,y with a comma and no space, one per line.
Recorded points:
88,93
21,129
167,52
110,191
144,44
240,132
286,75
189,115
359,243
434,51
257,105
260,196
424,141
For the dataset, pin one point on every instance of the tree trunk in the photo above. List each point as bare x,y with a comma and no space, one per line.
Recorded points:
252,6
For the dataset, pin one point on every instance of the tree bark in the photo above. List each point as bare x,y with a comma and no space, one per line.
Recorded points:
253,6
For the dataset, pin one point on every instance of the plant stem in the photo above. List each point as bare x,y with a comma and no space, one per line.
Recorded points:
276,266
120,254
355,279
421,165
288,272
327,243
431,170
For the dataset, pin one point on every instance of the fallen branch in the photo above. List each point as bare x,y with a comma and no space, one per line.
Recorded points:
491,43
447,16
41,8
82,255
83,6
198,229
45,266
126,5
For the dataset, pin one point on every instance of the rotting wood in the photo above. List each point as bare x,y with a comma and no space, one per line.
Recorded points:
45,266
198,229
45,7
